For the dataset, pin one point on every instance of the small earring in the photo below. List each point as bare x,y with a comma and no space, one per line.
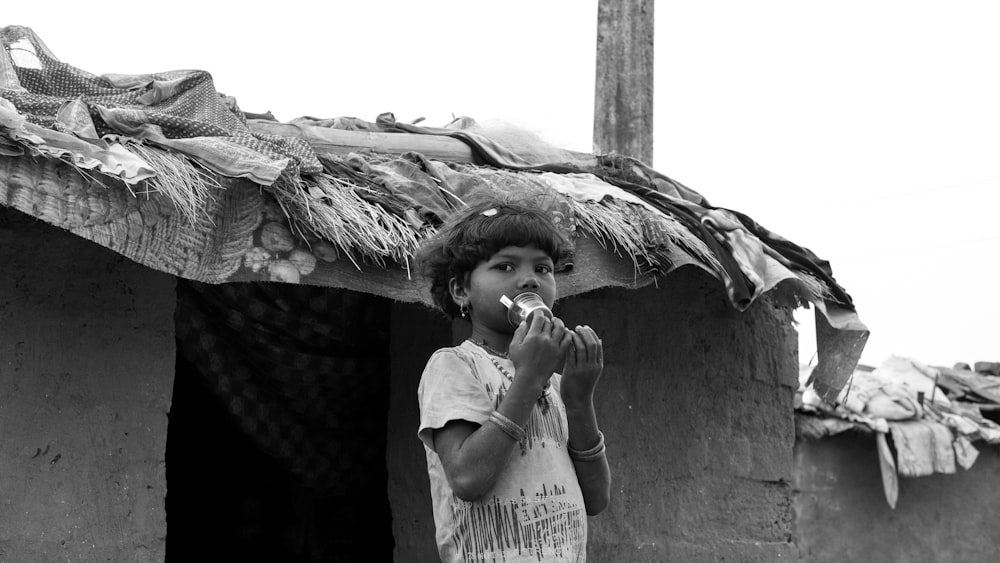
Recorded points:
464,309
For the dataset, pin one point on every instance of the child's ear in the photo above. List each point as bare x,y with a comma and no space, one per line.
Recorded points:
459,293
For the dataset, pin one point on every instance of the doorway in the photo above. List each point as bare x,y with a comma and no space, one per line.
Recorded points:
277,429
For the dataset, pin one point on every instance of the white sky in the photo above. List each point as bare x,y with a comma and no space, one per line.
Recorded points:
866,131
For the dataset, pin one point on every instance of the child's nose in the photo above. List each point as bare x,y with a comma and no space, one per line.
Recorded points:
529,281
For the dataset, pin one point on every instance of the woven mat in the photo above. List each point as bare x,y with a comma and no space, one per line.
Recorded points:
144,228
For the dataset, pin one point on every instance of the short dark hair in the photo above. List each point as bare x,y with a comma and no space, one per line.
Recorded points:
472,235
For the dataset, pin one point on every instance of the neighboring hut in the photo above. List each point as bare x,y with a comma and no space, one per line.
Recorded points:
902,468
292,408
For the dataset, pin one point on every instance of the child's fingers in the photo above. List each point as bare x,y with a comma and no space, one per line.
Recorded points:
567,339
566,342
591,343
537,323
520,332
578,350
558,328
587,334
568,346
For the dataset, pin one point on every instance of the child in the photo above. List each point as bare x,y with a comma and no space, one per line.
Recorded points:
514,454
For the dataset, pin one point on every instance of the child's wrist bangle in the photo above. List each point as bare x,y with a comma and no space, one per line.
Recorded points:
592,454
508,426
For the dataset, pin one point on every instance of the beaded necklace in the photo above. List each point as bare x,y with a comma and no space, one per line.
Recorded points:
482,344
543,399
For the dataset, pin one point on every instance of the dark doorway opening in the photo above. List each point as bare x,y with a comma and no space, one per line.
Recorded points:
233,495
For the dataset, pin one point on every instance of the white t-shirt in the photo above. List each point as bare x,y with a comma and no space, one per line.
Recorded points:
535,511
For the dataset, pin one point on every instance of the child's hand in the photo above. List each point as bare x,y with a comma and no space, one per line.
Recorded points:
584,364
538,348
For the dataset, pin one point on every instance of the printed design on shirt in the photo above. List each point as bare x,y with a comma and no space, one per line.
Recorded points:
543,525
544,423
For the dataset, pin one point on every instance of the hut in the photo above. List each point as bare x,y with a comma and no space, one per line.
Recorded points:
212,333
902,468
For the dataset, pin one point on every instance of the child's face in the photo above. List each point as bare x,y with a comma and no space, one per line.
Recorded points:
511,271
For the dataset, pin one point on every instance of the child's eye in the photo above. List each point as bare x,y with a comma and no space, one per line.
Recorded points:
505,267
543,269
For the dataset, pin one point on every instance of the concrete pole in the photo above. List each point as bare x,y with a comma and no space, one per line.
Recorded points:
623,101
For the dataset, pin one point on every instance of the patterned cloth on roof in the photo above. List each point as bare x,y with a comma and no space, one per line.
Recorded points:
179,110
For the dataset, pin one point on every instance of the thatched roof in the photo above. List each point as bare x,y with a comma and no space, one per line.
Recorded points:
163,169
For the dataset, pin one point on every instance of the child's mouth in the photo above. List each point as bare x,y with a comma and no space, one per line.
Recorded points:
523,305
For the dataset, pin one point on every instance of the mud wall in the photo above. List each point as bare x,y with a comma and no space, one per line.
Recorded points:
841,513
86,368
696,404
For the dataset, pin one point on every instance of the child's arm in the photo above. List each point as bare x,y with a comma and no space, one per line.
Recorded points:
472,455
584,364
